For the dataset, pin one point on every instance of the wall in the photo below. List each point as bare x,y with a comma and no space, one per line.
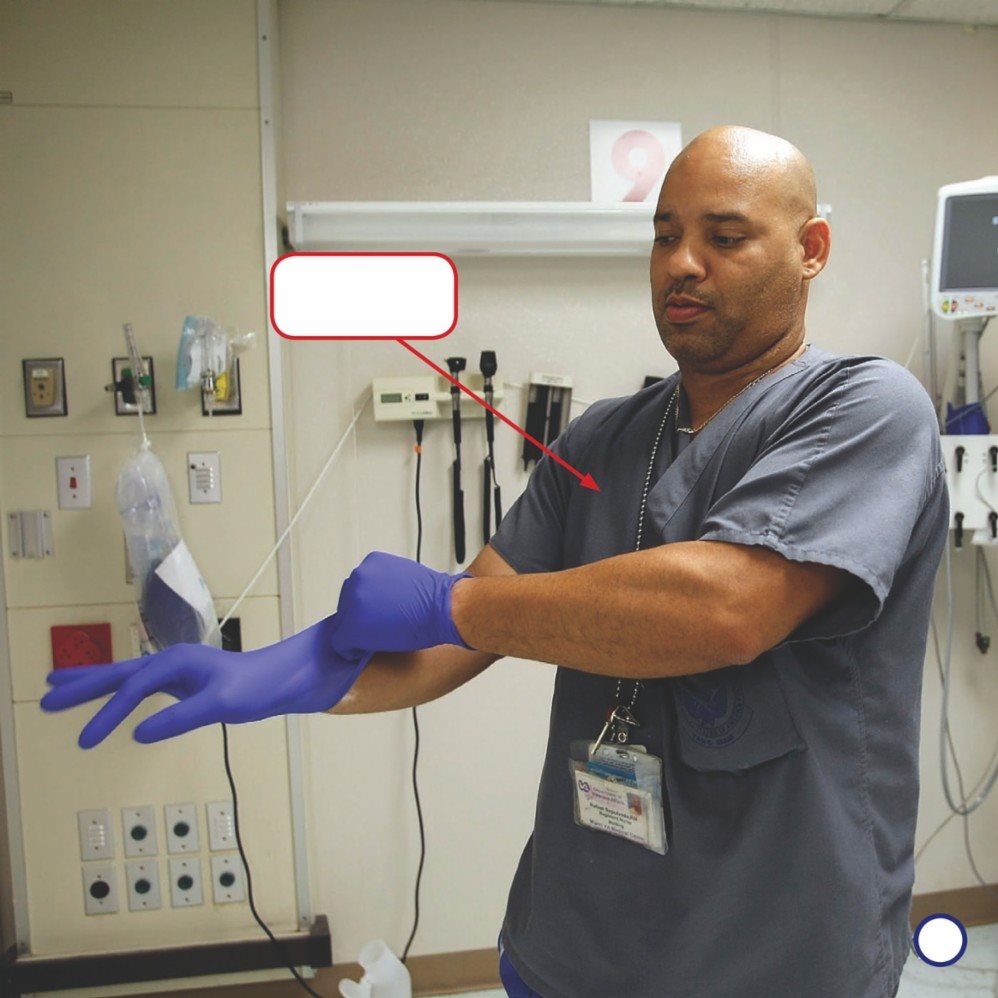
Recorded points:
132,150
455,100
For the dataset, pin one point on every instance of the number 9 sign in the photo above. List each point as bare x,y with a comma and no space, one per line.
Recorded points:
628,159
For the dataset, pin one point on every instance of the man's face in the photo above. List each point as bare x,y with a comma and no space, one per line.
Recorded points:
728,248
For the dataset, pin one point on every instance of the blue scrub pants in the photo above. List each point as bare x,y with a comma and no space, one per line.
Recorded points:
514,984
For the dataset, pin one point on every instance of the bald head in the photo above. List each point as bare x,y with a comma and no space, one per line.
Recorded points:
764,166
737,241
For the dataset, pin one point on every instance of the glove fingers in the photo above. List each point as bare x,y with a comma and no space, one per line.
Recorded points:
177,719
87,683
156,677
69,674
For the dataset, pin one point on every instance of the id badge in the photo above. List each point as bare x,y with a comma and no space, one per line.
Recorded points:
618,791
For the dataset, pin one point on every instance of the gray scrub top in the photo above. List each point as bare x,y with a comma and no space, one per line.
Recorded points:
790,783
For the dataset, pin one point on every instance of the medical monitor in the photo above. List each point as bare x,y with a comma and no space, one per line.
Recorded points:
965,250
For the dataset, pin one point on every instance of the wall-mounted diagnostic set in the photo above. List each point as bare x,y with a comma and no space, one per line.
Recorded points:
548,401
430,397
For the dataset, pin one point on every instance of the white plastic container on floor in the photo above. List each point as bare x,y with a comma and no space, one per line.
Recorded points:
385,976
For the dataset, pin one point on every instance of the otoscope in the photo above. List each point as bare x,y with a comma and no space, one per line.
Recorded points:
487,365
456,365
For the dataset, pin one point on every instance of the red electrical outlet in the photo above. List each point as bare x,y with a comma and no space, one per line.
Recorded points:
81,644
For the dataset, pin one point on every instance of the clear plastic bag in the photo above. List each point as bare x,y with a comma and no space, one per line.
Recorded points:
206,358
174,601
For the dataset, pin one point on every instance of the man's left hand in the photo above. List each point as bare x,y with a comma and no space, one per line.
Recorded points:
395,604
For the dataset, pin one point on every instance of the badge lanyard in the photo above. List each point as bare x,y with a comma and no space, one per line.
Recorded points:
618,788
620,716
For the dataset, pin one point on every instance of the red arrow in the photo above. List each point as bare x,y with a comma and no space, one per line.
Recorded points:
586,481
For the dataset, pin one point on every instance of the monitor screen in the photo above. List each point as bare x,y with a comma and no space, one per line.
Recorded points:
970,242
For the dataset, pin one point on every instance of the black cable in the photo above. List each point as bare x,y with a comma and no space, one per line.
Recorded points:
418,426
456,365
249,879
488,366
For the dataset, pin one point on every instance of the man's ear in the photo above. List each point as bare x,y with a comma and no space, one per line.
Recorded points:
816,243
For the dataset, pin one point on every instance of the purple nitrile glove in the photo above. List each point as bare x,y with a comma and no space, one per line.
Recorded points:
395,604
300,675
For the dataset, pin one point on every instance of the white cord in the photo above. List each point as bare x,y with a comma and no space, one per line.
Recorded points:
329,462
977,489
963,808
914,347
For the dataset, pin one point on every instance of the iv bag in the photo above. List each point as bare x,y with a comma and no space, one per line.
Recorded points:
174,602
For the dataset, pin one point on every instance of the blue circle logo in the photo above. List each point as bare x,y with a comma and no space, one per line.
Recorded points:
714,711
940,940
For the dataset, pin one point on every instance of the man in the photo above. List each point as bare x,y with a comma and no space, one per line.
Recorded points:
747,598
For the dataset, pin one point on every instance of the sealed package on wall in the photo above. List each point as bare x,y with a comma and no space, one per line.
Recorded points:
174,601
207,354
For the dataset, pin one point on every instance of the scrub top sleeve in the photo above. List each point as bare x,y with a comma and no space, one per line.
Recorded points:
530,536
842,482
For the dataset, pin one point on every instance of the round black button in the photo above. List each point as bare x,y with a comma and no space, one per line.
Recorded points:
139,832
142,886
99,889
181,828
186,882
227,879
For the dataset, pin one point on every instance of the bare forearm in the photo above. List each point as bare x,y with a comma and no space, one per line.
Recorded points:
396,680
652,613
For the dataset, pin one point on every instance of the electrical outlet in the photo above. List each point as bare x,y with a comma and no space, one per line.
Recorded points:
181,828
100,892
227,878
142,877
139,824
186,888
96,837
221,826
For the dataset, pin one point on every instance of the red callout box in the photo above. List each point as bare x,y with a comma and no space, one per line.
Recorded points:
363,296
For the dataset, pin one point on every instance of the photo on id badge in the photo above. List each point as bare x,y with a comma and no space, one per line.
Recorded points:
618,791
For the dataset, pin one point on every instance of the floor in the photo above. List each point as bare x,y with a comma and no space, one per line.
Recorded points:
975,976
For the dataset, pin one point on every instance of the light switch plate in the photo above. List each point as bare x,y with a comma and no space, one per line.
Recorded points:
204,473
221,825
96,837
73,480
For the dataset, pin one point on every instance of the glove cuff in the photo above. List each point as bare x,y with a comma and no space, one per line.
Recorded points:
451,635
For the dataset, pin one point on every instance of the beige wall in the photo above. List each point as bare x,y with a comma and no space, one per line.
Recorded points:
459,100
131,165
133,146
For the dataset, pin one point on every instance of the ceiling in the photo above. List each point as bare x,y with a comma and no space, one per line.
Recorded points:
951,11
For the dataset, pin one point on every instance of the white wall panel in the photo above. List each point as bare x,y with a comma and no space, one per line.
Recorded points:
450,100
